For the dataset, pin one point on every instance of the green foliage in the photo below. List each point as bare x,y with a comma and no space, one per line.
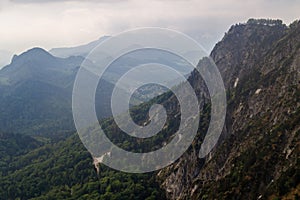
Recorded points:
12,145
64,170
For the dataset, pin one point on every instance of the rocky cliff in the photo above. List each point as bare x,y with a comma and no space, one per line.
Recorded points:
258,154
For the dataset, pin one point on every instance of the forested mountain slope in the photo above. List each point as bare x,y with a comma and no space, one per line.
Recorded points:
257,156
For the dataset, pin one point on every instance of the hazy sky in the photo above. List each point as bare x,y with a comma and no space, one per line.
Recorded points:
55,23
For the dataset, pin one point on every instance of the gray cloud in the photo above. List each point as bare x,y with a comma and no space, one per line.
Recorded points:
28,23
63,1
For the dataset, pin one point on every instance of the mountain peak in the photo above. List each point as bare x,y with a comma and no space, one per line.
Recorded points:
36,51
257,25
266,22
32,54
252,39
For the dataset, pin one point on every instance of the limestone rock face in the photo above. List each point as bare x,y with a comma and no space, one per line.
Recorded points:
258,153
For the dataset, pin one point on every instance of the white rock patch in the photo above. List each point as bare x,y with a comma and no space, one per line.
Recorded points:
236,82
98,160
258,91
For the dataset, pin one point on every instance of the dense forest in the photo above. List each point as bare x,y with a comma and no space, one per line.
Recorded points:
32,169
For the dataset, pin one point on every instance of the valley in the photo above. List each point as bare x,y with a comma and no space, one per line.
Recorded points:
257,156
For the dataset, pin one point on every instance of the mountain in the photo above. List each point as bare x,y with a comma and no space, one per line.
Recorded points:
38,65
82,50
36,92
258,154
126,62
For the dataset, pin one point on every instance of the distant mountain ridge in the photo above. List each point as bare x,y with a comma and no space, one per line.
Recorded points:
127,62
82,50
36,92
40,65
